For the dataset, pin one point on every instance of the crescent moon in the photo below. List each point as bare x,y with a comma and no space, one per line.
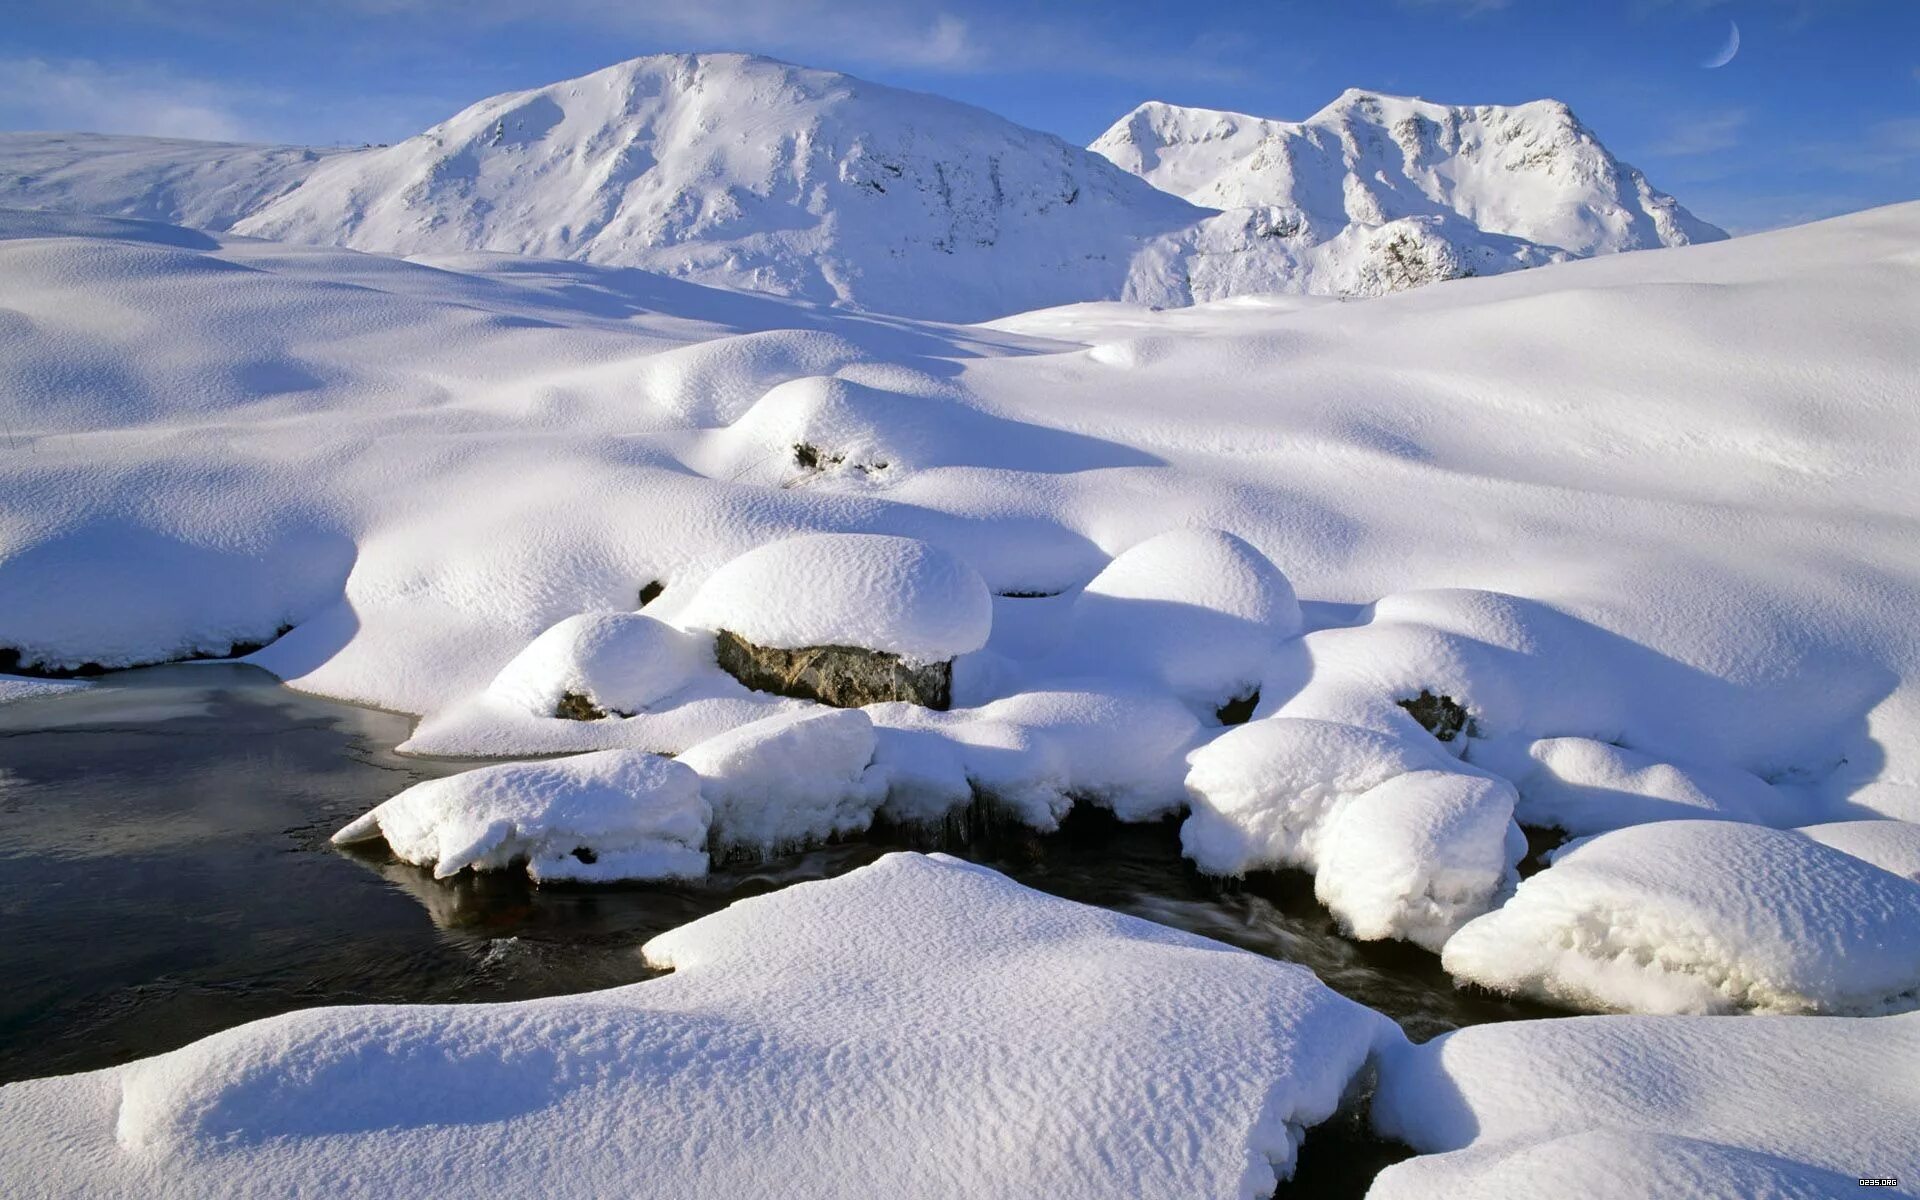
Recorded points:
1727,52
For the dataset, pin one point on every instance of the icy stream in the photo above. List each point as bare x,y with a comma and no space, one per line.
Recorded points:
166,874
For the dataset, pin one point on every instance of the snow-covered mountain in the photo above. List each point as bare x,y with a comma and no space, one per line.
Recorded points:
1531,172
746,172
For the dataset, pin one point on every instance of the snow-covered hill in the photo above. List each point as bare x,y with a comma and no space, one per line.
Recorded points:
749,173
1530,171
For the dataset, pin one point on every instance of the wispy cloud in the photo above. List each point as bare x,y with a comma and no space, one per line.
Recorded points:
1703,133
1463,8
79,94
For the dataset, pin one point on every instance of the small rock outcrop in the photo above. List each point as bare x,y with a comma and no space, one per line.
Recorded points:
1442,716
841,676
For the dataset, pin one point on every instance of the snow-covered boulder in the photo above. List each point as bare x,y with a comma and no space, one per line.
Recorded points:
1890,845
1585,786
613,663
788,780
615,814
1621,1108
1195,610
845,618
1401,842
1702,917
920,1027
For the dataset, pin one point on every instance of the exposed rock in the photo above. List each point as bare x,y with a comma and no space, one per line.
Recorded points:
575,707
1442,716
651,592
842,676
1239,710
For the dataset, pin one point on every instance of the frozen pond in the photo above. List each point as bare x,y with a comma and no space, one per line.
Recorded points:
165,873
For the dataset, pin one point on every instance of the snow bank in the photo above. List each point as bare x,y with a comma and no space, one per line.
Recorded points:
1702,917
617,814
787,780
1585,786
918,1027
893,594
1196,610
1621,1108
619,662
1033,754
1400,841
1890,845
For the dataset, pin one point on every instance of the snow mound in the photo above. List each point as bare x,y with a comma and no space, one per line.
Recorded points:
1890,845
789,779
616,814
1620,1108
896,595
619,662
1702,917
715,382
1196,610
915,1028
1585,786
1401,843
1032,754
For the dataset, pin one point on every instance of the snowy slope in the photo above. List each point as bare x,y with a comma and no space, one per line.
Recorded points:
1530,171
744,171
205,185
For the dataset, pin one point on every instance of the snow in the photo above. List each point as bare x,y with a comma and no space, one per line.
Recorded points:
617,814
621,662
1618,1108
17,687
892,594
1401,842
1585,786
918,1027
1702,917
1890,845
788,779
1197,610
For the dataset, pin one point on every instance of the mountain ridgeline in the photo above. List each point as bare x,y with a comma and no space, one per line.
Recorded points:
745,172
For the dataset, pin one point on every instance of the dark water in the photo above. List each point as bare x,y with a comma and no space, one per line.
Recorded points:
165,873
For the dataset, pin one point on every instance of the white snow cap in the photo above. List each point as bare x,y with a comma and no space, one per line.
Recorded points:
615,814
1622,1108
1703,917
621,661
915,1028
789,779
1401,842
1198,610
875,591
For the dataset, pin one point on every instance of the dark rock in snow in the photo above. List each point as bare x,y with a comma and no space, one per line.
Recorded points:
1442,716
842,676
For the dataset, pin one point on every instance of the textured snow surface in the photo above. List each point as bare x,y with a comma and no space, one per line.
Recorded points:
920,1027
1401,842
1890,845
1585,786
894,594
616,814
17,687
749,173
1621,1108
1703,917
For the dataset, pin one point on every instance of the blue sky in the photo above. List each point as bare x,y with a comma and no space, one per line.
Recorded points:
1819,113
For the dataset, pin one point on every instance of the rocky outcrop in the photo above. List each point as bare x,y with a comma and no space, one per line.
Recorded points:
841,676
